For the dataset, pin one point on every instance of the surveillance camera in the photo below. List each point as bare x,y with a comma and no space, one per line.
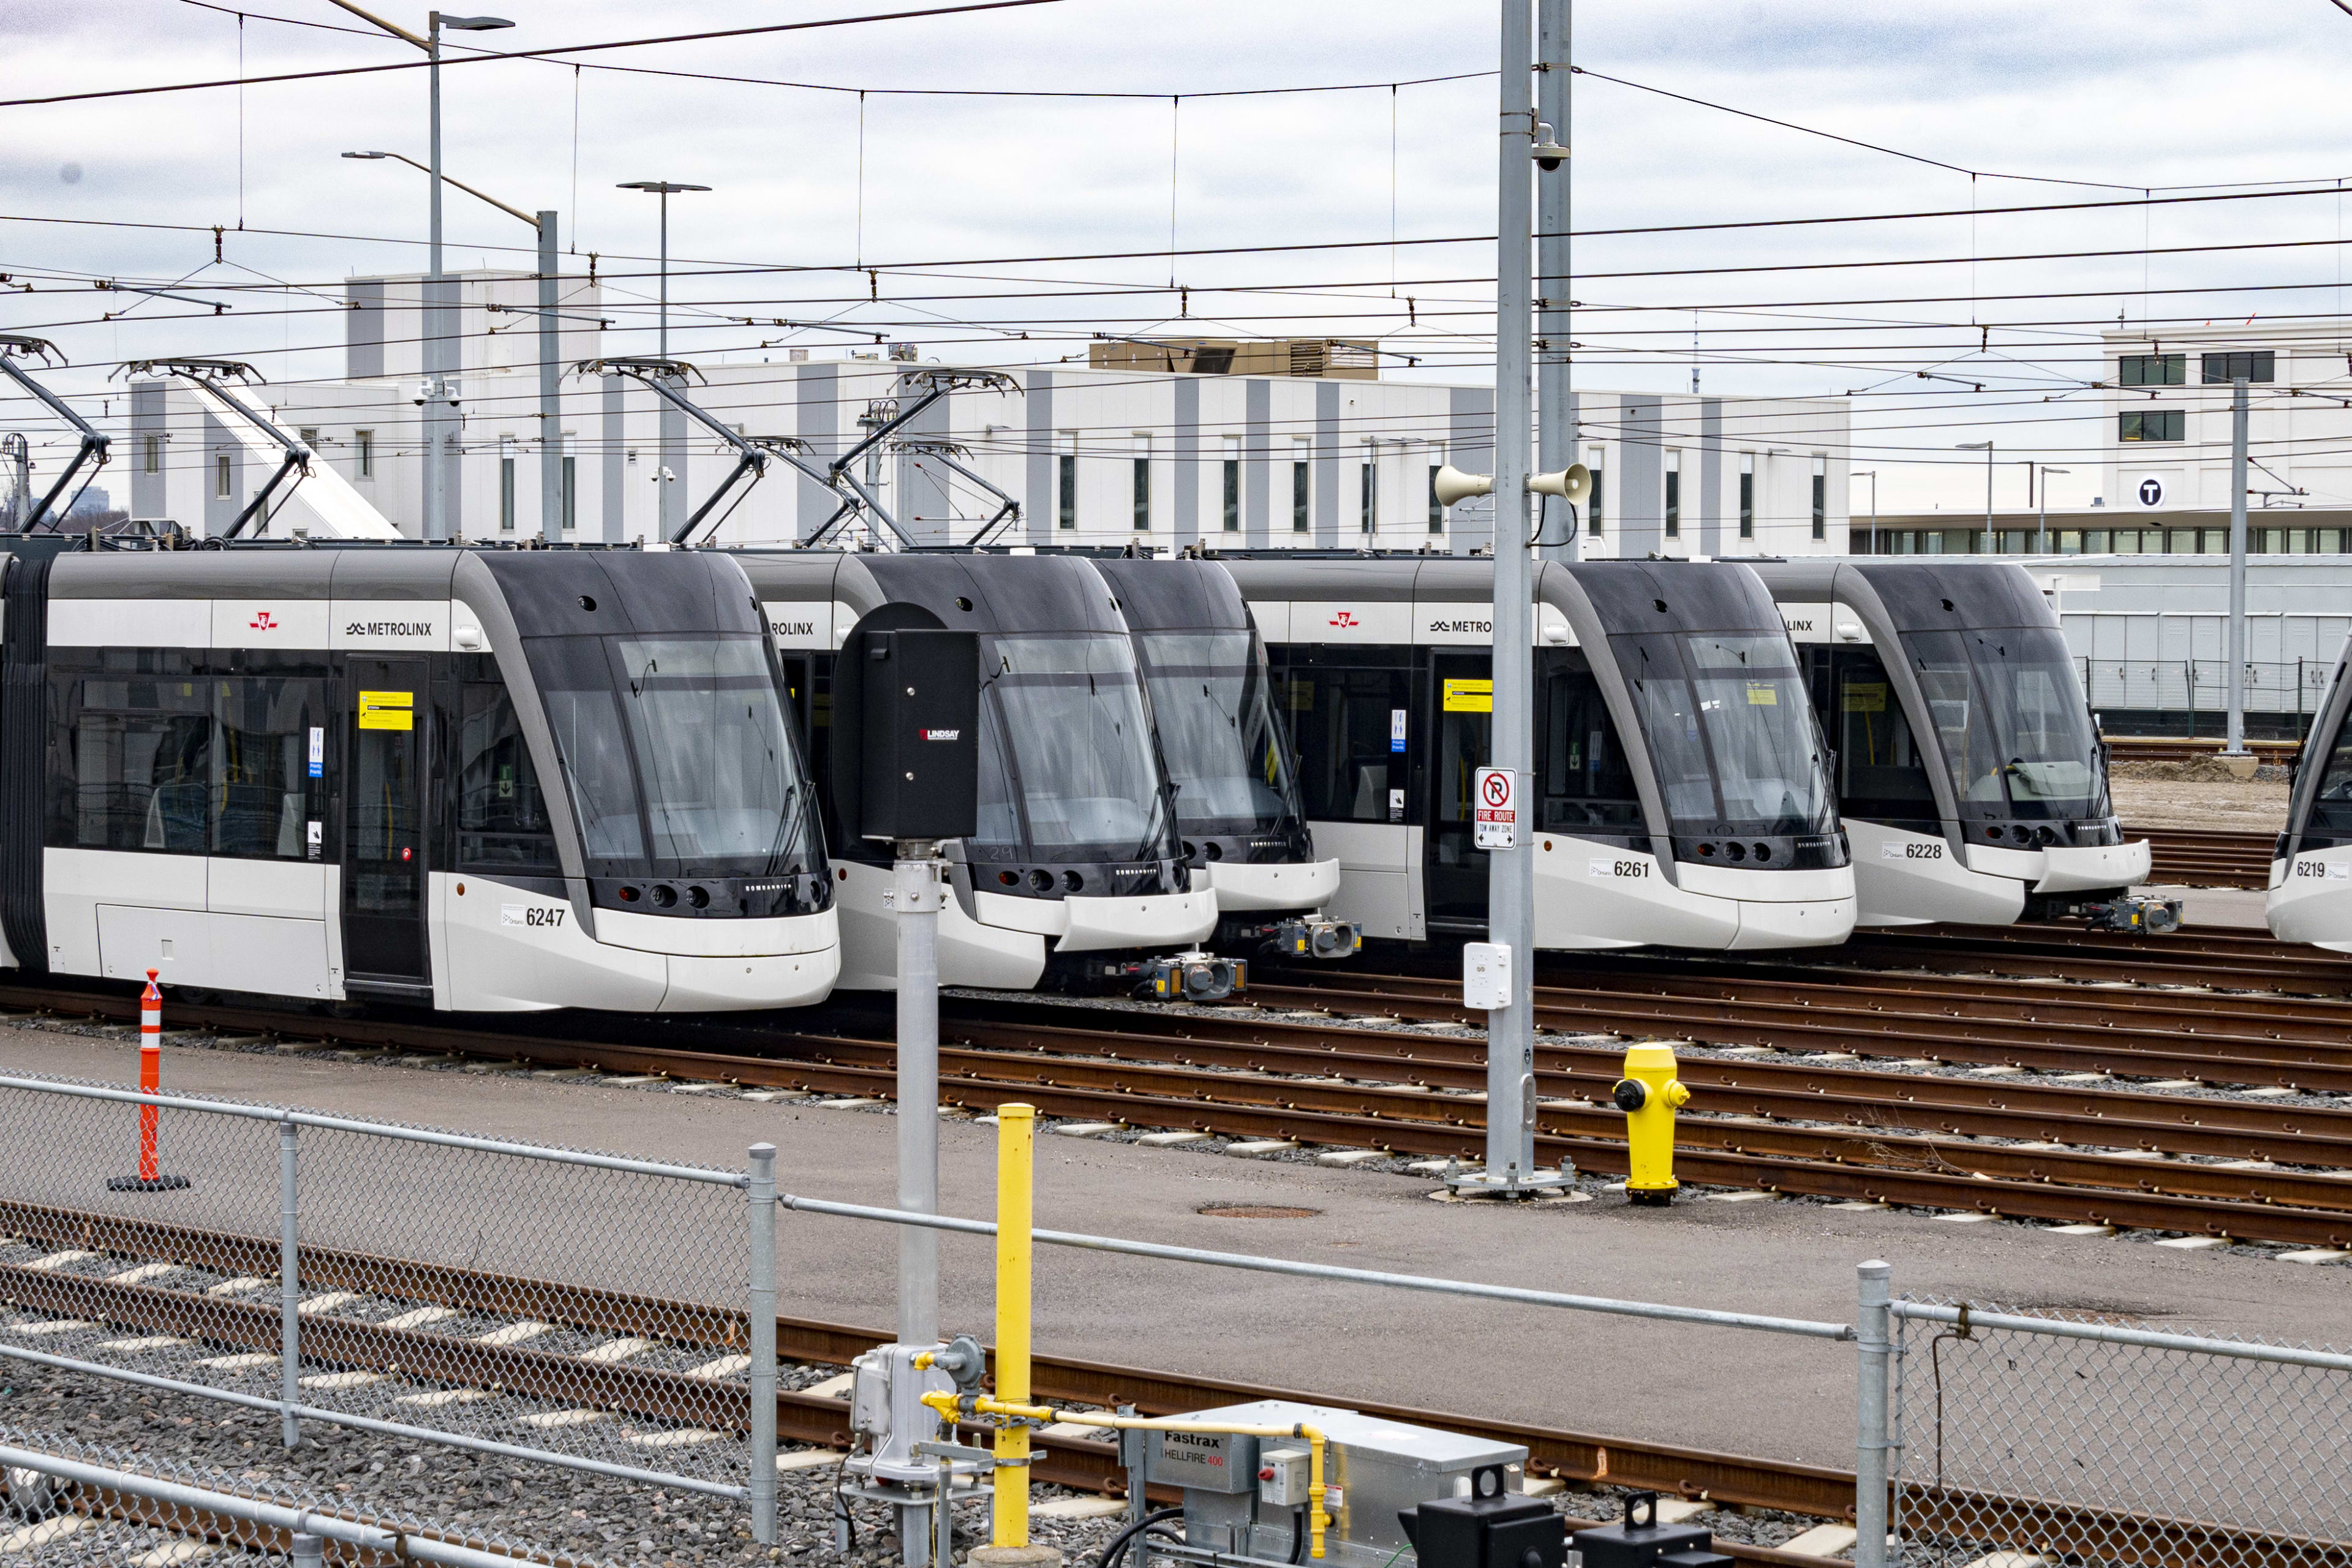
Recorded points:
1549,155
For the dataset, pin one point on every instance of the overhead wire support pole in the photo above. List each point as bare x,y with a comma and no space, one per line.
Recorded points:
1556,427
1510,901
554,494
2237,638
94,445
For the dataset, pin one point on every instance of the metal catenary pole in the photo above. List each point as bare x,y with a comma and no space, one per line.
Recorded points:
436,397
1556,437
919,891
289,1288
1510,1031
761,1190
550,389
2237,649
1874,1356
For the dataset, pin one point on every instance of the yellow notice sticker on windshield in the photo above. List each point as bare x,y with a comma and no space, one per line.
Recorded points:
1469,697
1863,697
1762,695
387,710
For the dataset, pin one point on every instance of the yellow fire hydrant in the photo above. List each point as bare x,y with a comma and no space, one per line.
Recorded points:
1649,1094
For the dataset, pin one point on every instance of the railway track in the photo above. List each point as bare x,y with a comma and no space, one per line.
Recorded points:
2197,858
2202,958
1066,1061
2182,749
1085,1463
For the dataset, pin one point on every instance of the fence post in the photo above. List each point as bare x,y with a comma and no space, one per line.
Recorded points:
1875,1353
289,1290
762,1344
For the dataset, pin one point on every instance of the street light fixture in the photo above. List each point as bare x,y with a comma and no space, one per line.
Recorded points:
1991,542
439,520
664,189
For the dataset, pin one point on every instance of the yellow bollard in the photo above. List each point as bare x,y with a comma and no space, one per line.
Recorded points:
1649,1094
1016,1139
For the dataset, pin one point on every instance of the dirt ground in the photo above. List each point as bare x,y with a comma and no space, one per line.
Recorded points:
2254,805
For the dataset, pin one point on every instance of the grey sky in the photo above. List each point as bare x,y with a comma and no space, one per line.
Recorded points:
2163,94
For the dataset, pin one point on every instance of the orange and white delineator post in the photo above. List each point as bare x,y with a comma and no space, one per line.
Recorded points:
150,1178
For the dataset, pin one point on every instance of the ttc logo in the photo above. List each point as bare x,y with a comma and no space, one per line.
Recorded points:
263,622
1344,618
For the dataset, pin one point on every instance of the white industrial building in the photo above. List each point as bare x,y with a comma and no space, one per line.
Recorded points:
1096,454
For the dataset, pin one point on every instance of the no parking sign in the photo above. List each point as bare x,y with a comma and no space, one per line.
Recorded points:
1496,796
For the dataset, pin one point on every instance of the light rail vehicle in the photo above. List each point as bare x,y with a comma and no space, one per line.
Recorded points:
2311,867
468,779
1970,776
1230,758
1680,796
1078,867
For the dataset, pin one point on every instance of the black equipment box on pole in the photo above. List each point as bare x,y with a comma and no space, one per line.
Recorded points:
920,713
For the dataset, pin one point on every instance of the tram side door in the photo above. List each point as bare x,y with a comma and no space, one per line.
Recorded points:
1462,688
384,825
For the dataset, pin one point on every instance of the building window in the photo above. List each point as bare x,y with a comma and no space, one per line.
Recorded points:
1143,484
1302,483
150,451
1821,497
309,436
506,494
2222,369
224,481
1747,495
1232,501
1066,502
1592,522
2149,424
2154,370
366,441
1436,507
1674,494
1368,496
571,496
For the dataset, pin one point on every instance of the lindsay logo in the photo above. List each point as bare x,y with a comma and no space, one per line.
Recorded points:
941,734
389,629
1345,619
263,621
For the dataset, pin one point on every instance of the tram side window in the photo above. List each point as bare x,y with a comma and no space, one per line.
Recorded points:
161,760
1344,719
263,794
136,763
1585,781
1881,774
502,815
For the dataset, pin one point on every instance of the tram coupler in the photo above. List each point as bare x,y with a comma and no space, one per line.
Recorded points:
1649,1094
2143,914
1193,977
1300,936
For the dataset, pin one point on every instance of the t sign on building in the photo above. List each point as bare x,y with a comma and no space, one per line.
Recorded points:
1496,792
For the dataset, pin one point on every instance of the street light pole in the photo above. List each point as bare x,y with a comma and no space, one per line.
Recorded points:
1872,475
2041,505
1991,542
551,410
671,495
2237,638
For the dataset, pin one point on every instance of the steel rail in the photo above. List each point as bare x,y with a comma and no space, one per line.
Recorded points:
2034,1183
1091,1465
2208,858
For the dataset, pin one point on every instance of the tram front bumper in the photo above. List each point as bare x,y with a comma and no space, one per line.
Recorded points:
1239,886
2312,900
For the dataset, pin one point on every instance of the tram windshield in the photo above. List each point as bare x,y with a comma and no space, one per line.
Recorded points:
2330,812
1066,770
676,755
1212,705
1730,730
2008,712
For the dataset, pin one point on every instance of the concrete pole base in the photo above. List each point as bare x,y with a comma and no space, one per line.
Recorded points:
2242,764
1031,1556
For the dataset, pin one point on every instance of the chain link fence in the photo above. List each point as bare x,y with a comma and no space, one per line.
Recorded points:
609,1315
65,1504
2081,1438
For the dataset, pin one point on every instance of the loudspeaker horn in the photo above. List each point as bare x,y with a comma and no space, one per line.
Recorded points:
1572,484
1450,485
